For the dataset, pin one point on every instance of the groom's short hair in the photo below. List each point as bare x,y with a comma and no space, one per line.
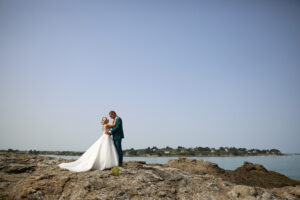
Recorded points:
112,112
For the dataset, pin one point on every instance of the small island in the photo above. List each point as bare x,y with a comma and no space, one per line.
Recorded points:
169,151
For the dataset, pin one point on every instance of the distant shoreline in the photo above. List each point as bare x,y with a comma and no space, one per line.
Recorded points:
180,156
156,156
170,152
214,156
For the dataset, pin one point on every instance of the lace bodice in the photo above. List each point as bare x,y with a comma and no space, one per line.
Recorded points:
106,129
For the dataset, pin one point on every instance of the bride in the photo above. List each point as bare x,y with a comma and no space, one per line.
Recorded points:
101,155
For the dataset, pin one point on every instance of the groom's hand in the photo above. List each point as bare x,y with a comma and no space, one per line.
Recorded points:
106,132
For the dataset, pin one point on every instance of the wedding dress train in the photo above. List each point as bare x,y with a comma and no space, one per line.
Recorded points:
101,155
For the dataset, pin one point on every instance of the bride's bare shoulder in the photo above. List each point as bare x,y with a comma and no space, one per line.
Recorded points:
105,127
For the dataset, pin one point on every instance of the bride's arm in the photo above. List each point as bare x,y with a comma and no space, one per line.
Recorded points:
105,126
110,125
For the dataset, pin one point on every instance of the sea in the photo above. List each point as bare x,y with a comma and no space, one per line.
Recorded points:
288,165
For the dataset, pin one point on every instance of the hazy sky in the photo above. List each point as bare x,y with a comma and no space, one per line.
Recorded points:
178,72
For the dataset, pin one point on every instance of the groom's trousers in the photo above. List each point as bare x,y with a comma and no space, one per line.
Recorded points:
119,150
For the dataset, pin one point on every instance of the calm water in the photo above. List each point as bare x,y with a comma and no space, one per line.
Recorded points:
287,165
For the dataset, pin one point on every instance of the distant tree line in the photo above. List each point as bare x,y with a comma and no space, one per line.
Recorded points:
199,151
168,151
37,152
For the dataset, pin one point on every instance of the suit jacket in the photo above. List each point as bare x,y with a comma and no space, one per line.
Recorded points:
117,131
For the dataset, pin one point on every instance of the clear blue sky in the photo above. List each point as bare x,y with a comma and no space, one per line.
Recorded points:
189,73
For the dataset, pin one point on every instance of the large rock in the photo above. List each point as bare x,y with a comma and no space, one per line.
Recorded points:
249,174
195,166
136,180
256,175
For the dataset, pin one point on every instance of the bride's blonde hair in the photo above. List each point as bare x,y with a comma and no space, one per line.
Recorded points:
103,120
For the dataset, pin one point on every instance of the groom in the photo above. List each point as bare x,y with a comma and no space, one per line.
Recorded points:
117,132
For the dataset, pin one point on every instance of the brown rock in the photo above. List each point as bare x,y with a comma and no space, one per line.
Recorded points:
248,174
256,175
179,179
195,166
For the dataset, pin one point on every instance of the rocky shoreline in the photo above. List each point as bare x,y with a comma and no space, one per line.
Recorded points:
24,176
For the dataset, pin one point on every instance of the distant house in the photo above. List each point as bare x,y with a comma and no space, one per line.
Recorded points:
167,152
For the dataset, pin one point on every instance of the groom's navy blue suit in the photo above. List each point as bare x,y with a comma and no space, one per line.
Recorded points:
118,135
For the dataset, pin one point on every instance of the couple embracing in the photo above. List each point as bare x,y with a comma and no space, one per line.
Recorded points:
106,152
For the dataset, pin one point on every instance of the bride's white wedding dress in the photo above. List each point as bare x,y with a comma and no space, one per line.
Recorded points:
101,155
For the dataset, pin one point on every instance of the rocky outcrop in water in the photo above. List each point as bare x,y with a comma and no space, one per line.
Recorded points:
249,174
39,177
